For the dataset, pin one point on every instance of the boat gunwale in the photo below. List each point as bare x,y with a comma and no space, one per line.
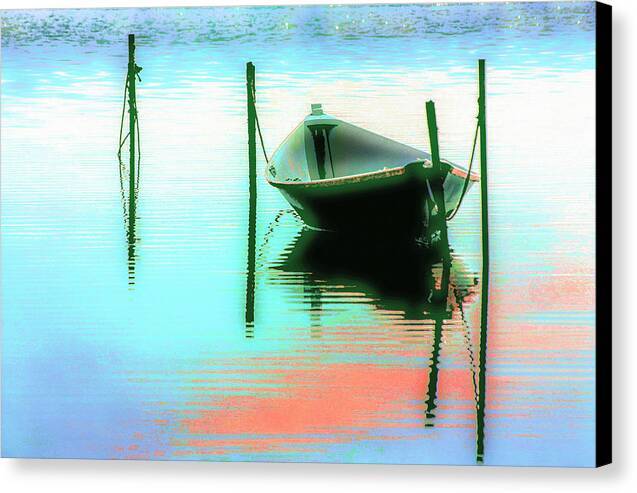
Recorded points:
460,172
362,177
343,180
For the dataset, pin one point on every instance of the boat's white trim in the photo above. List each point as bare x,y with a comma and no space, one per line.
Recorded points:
372,175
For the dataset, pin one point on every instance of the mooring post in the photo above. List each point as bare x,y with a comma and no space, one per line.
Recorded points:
252,140
132,184
484,305
439,219
132,116
252,190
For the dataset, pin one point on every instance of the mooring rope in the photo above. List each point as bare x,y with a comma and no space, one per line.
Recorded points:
139,150
121,187
121,123
465,186
256,117
123,141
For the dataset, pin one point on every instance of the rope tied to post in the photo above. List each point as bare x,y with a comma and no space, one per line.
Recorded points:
256,118
122,141
467,179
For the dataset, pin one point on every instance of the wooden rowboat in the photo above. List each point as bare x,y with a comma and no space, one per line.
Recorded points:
343,178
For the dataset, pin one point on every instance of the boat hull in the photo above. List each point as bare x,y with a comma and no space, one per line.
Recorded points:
386,203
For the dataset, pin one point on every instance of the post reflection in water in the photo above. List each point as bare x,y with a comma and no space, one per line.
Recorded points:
312,292
438,312
250,272
129,212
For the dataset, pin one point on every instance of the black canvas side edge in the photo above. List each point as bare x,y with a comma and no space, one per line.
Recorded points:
603,238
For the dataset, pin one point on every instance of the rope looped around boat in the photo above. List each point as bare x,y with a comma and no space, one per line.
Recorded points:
467,179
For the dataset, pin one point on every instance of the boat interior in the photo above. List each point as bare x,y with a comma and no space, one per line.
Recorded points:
323,147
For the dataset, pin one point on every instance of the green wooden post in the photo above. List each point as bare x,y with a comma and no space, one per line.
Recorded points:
252,140
132,185
438,223
252,190
439,220
132,116
482,117
485,262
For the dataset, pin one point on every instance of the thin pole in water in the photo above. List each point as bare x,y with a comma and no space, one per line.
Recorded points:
439,220
252,140
132,184
485,262
132,116
252,212
438,225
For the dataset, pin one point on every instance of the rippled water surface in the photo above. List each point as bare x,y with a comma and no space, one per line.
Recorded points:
134,344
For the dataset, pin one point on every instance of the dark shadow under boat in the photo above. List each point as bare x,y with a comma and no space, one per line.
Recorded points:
397,276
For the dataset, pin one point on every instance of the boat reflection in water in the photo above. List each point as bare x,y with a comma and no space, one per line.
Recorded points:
400,277
411,291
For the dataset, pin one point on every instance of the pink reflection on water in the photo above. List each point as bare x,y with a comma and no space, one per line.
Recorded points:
332,391
330,403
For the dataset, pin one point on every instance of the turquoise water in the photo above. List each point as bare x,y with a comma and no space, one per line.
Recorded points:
141,350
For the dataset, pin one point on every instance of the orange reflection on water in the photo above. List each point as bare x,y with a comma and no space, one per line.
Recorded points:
328,403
